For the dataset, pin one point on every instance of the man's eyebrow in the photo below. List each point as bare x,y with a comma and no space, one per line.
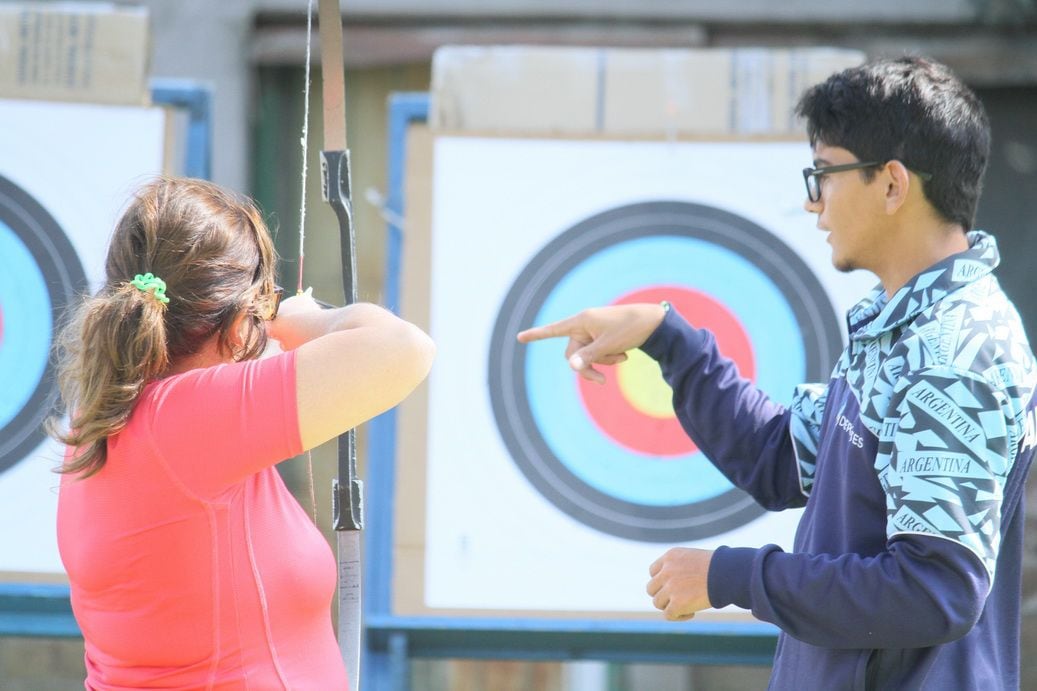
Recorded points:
819,162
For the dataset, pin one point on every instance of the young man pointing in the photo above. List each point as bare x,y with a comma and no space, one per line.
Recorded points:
911,460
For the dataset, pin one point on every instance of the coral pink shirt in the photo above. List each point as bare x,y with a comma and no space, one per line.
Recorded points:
191,565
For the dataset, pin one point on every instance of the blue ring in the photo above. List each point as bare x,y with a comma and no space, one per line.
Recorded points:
619,270
34,301
26,307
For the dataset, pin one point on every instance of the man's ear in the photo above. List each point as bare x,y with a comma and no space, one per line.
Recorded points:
897,180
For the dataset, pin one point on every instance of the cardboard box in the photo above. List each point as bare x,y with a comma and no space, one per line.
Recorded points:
626,92
515,88
70,51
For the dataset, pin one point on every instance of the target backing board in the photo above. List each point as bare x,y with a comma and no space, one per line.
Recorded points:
545,494
65,174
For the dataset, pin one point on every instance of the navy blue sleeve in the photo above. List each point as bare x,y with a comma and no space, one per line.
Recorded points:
922,591
945,453
744,434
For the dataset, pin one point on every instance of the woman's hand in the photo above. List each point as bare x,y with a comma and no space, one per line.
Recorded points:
293,325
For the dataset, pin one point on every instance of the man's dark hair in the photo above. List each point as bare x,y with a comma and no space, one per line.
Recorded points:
913,110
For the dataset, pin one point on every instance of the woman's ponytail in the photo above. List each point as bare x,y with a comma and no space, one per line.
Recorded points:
114,344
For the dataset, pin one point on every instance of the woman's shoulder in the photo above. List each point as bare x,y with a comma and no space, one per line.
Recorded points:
205,381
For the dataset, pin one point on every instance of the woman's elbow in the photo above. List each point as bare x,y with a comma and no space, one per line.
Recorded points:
425,352
418,351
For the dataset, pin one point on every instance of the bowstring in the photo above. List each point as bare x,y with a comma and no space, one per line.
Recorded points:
304,141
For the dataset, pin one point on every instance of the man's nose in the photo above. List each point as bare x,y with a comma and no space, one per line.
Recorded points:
812,207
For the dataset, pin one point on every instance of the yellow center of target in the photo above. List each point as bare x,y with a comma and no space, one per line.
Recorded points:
642,384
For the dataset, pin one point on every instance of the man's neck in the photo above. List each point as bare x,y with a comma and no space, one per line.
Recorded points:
919,248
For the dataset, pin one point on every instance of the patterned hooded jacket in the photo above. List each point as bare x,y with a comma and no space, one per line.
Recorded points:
911,463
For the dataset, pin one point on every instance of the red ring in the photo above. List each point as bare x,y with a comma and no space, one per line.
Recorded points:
617,418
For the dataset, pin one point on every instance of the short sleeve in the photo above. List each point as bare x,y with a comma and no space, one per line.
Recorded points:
214,427
808,410
944,457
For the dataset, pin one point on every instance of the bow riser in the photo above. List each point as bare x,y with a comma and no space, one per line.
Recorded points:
336,191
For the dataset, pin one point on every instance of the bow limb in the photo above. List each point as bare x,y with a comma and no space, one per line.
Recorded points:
347,506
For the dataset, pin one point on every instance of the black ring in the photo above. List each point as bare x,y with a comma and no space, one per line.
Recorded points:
65,279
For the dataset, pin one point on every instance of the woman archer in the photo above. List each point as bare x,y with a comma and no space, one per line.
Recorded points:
190,564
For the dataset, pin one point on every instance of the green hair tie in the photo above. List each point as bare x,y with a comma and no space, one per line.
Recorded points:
151,282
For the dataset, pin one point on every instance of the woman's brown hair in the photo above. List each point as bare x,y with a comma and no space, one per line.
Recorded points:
215,255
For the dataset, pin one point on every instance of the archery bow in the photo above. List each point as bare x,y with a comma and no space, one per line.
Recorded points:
347,496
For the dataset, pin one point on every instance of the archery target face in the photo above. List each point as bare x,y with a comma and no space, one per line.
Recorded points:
614,457
39,274
66,172
546,492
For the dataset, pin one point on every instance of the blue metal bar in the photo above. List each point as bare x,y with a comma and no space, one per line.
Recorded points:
375,668
733,643
196,100
399,662
481,625
381,466
36,610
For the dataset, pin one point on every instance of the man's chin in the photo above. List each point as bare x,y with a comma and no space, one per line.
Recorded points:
843,265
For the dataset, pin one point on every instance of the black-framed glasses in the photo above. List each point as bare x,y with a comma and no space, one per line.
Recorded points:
812,176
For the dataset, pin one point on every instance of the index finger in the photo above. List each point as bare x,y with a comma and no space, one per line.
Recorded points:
563,327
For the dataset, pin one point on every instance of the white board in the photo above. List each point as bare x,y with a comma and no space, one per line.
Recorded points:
492,539
79,164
